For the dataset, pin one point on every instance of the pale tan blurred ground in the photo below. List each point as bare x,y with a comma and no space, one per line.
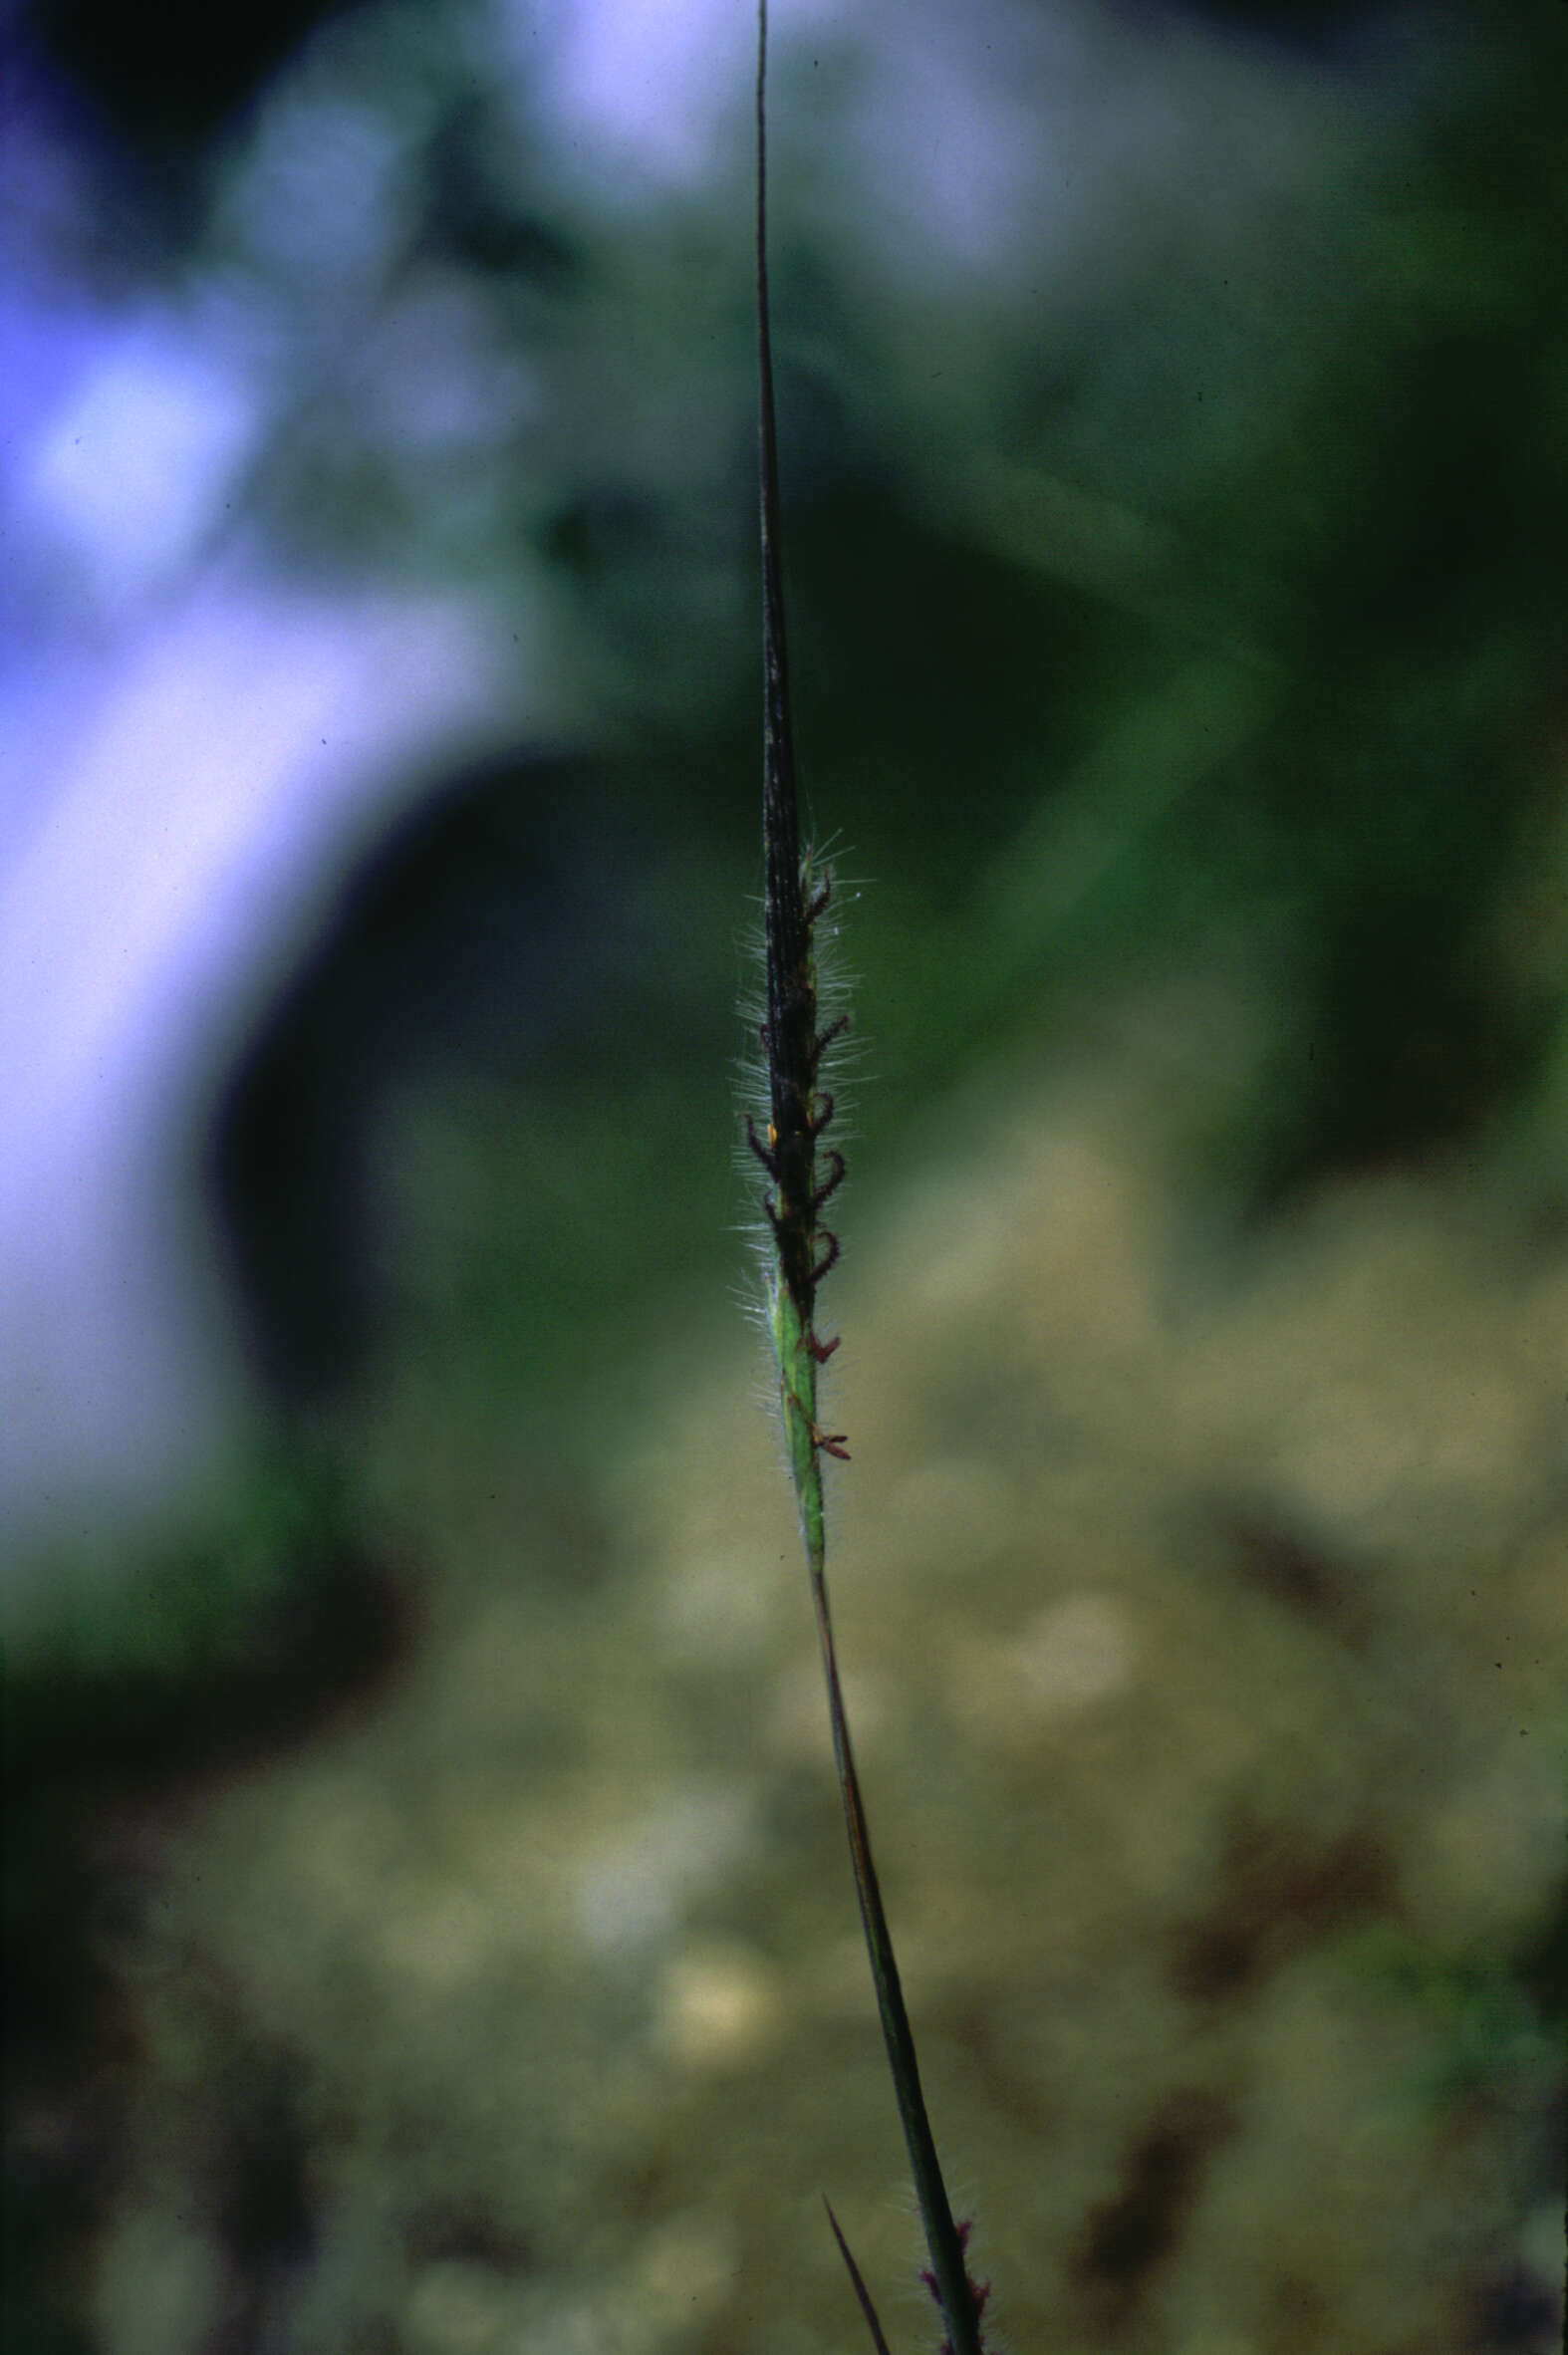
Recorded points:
1204,1619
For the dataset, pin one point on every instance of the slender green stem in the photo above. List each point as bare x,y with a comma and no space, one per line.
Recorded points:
942,2234
803,1251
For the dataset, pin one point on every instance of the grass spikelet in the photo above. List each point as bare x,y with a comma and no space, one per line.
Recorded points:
802,1176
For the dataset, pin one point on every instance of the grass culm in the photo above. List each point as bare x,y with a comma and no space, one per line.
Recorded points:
801,1177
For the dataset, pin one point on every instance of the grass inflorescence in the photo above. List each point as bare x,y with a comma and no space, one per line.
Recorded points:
802,1176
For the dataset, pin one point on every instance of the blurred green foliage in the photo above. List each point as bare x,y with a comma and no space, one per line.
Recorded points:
1203,621
186,1646
1206,619
1195,615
